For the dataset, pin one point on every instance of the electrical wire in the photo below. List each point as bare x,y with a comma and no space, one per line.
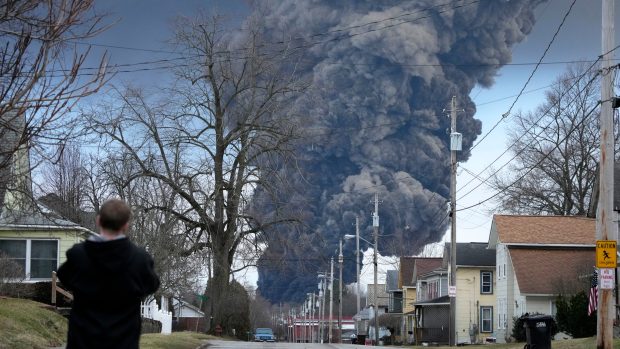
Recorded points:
505,115
533,167
545,113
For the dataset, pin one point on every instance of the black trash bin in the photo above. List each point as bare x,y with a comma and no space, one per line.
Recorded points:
538,331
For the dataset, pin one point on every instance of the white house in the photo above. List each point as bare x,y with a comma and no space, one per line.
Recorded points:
537,257
187,317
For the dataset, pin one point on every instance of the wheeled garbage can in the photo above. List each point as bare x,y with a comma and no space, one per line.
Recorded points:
538,331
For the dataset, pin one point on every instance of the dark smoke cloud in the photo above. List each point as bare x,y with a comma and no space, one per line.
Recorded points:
375,121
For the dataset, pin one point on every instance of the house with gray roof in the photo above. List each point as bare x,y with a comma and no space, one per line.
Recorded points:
33,238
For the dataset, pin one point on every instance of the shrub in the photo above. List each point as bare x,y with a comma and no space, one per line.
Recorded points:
572,316
10,272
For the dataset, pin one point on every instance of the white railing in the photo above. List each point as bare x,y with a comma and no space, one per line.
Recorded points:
151,310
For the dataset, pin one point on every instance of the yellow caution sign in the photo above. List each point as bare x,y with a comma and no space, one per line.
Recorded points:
606,253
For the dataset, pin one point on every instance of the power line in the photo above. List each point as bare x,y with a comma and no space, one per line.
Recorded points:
245,49
545,156
547,111
505,115
303,46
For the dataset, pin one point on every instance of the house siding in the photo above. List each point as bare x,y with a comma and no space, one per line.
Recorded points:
409,298
468,303
505,279
539,304
66,239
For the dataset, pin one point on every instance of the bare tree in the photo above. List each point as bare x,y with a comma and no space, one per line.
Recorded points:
260,311
66,177
555,150
210,141
42,73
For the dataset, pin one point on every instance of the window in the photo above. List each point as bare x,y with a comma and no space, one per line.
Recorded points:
15,251
37,258
486,319
486,282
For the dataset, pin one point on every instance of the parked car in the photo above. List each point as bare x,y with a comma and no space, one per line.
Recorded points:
264,335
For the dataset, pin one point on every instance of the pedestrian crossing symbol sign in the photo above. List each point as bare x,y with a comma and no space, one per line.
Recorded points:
605,253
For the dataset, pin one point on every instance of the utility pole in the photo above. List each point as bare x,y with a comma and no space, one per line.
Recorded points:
454,146
304,317
357,261
312,314
340,261
331,299
604,218
324,287
375,225
320,309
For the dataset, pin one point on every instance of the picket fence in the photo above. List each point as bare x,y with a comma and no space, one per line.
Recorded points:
151,310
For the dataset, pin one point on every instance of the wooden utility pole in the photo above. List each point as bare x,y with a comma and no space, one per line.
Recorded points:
604,219
453,149
375,226
331,299
357,262
340,261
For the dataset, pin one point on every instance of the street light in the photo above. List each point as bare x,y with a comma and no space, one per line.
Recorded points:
374,258
322,287
340,261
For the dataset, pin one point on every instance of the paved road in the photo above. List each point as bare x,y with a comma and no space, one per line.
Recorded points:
253,345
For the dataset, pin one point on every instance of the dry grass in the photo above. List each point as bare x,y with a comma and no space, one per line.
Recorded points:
28,325
581,343
176,340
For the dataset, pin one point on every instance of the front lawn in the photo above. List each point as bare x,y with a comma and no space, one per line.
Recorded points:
30,325
176,340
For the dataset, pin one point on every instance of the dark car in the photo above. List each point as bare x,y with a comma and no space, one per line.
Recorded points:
264,335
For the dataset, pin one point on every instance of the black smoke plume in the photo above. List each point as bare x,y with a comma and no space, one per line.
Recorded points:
375,122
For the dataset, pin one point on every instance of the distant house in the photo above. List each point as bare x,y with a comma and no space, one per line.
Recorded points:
364,319
406,282
394,317
536,257
432,306
475,290
382,297
187,317
395,293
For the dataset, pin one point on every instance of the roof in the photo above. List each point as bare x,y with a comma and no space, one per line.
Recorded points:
363,314
40,218
65,211
559,230
425,265
391,281
436,301
543,271
472,254
405,277
9,218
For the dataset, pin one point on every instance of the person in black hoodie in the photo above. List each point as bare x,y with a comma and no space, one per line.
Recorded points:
109,276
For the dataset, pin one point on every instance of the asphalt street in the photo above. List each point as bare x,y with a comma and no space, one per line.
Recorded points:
214,344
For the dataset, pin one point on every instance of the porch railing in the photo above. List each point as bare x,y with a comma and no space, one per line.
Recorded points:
56,289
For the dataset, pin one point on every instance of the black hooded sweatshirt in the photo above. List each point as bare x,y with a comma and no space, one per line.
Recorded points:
108,280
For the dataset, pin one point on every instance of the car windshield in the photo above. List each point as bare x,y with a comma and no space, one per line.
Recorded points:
263,330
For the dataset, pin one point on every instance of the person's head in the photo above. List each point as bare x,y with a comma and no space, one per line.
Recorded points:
114,216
